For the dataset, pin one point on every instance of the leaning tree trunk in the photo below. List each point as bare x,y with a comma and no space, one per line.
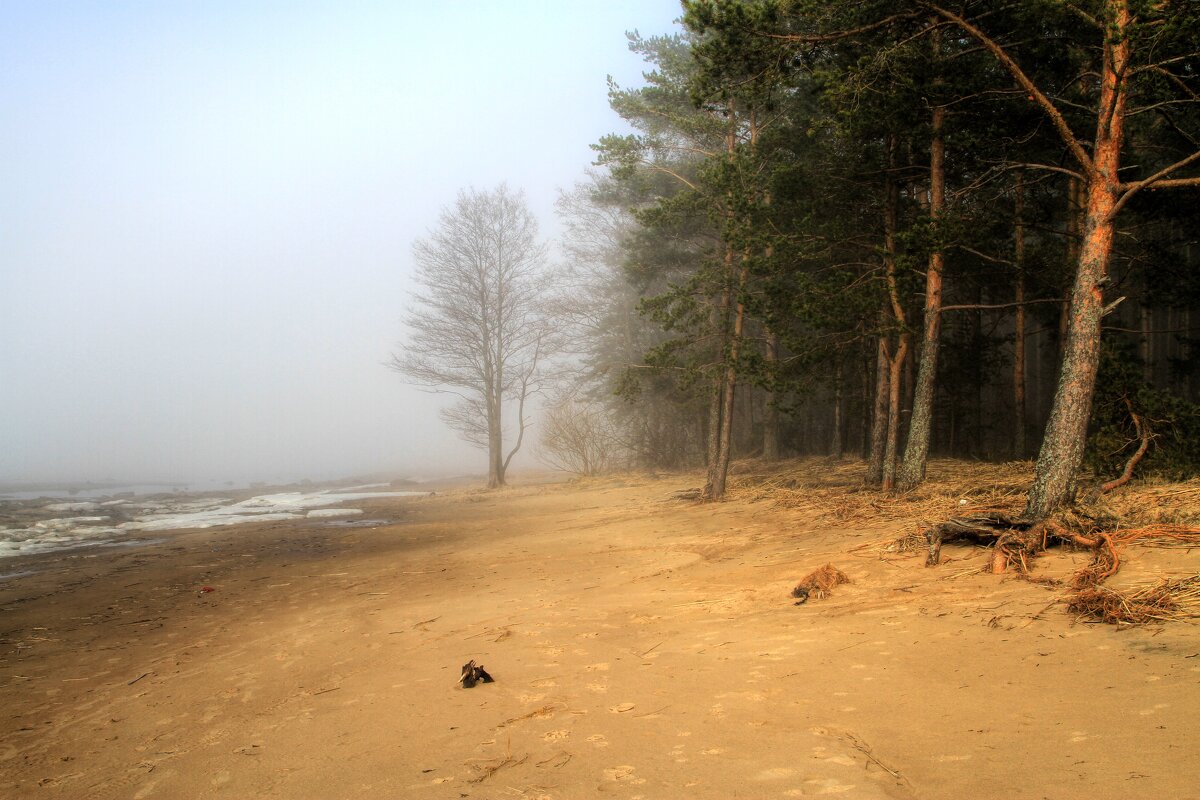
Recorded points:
916,451
1066,432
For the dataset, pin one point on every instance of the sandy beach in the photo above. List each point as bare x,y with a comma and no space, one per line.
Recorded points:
643,647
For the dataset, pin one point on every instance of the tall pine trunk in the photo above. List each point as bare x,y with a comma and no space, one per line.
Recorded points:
713,444
896,359
1019,445
770,451
1066,432
916,451
879,415
725,448
836,444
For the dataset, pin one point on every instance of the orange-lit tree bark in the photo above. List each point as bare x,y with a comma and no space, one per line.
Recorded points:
1066,432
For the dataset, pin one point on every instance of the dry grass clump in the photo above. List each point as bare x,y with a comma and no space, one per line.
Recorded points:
1167,599
1155,503
835,490
820,582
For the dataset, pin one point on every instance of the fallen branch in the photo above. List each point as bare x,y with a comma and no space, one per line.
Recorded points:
489,770
1145,437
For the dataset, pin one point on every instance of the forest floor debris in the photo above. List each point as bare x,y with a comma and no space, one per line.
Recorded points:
981,502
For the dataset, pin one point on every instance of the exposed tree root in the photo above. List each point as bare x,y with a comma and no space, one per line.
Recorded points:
1165,600
1017,542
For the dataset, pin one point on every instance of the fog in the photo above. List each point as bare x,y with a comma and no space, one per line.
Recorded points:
207,211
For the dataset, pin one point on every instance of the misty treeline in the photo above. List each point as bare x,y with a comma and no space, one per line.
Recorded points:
887,229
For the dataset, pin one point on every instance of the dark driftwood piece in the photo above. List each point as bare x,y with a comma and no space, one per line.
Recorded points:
1014,538
473,673
980,529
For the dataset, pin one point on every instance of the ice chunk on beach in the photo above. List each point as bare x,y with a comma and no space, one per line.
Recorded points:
334,512
263,508
56,534
82,506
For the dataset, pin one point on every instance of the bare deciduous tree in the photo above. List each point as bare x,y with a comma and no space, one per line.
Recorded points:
479,326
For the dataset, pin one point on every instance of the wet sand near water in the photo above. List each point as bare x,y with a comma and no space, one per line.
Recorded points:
642,647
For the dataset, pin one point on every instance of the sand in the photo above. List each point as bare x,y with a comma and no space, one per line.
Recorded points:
642,646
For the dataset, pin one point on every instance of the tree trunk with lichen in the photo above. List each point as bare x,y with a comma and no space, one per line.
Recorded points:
1066,433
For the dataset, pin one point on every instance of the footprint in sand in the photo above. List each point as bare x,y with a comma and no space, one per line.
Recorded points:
621,773
622,708
602,667
598,739
555,736
817,786
598,688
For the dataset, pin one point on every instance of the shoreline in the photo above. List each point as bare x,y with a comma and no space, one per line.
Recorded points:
641,646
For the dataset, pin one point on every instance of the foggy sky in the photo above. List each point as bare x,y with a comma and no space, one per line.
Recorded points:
207,211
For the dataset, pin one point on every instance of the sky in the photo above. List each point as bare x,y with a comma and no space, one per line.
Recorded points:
207,211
